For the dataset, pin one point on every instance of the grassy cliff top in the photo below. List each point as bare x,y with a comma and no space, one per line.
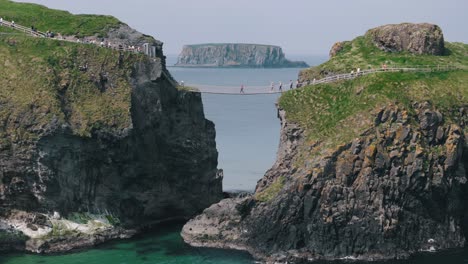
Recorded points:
338,112
362,53
58,21
44,80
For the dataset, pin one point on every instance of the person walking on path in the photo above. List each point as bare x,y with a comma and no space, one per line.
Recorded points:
242,89
290,84
297,84
272,86
280,86
1,20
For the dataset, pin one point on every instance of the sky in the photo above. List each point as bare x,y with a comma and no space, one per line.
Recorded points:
300,27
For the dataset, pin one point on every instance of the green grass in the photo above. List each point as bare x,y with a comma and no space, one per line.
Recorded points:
186,88
41,81
271,191
338,111
55,20
362,53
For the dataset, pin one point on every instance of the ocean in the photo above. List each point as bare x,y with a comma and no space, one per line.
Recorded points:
247,127
247,140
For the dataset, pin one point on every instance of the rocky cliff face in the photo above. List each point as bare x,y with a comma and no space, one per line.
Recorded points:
397,189
115,148
235,55
414,38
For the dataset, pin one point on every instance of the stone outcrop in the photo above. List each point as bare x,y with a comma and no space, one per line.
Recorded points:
112,178
337,47
235,55
397,189
414,38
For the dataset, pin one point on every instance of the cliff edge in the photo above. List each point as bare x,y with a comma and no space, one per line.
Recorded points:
94,143
372,168
235,55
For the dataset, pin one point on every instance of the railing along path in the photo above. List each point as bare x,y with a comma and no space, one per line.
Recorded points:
247,90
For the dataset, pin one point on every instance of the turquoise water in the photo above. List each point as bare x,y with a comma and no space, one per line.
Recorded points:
164,247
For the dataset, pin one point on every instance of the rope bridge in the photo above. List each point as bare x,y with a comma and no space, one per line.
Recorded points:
275,88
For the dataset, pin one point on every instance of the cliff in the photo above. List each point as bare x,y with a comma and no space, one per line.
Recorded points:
372,168
95,144
235,55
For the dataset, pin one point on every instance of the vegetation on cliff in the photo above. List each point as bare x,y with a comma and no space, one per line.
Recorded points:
370,168
82,85
57,21
338,110
91,131
363,53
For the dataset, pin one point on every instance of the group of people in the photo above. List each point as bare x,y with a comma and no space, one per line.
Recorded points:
292,85
103,43
12,22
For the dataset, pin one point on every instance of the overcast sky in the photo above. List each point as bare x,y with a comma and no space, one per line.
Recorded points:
301,27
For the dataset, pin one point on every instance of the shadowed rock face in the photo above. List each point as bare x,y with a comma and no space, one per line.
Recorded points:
414,38
398,189
235,55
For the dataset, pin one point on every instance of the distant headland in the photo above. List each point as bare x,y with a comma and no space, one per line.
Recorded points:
235,55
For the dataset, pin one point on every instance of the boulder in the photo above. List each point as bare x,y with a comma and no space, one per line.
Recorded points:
414,38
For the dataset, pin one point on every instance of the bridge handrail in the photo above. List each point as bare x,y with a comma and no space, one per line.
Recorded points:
37,33
22,28
328,79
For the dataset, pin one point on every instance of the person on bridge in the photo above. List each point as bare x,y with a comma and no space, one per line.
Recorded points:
242,89
280,88
272,86
297,84
290,84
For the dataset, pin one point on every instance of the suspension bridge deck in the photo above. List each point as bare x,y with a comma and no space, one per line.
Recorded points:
269,89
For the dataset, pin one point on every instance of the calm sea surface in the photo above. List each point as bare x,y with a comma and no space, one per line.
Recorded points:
247,127
247,139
